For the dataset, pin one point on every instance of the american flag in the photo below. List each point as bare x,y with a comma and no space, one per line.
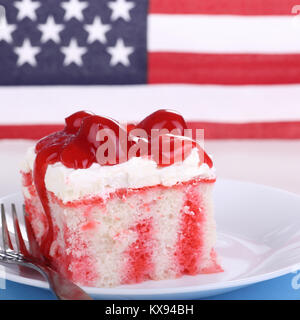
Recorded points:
74,42
232,61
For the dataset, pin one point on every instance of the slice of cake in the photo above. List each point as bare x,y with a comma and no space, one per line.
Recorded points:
120,208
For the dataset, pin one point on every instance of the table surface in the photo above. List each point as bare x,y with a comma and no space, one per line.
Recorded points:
269,162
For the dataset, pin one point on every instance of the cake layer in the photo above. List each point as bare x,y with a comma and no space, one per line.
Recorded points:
69,184
132,235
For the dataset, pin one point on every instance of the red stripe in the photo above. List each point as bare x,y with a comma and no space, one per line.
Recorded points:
241,7
226,69
213,130
140,265
254,130
27,131
190,241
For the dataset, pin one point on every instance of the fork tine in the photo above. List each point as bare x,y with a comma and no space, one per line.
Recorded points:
18,235
5,233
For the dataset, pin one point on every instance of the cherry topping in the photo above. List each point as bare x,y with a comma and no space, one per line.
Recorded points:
163,119
82,150
91,126
77,154
170,149
130,126
73,122
180,146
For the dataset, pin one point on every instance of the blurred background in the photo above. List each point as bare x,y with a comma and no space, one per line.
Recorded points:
231,67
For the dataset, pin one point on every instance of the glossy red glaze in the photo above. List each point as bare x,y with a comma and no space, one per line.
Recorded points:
47,155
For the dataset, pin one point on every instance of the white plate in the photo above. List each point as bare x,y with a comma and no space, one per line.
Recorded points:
258,239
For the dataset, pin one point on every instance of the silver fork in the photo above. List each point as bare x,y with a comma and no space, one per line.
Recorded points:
31,257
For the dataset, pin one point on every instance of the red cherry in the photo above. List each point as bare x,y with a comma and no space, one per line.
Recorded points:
77,155
73,122
92,125
138,147
163,119
130,126
82,150
168,149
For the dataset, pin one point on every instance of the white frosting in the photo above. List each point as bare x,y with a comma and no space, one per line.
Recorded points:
71,184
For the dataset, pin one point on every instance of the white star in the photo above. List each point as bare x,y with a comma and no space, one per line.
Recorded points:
97,31
6,30
26,53
74,9
50,30
27,9
120,9
119,53
73,53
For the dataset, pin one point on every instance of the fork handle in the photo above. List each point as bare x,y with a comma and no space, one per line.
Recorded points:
61,286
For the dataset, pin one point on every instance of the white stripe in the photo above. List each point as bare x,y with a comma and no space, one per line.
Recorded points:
211,103
223,34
